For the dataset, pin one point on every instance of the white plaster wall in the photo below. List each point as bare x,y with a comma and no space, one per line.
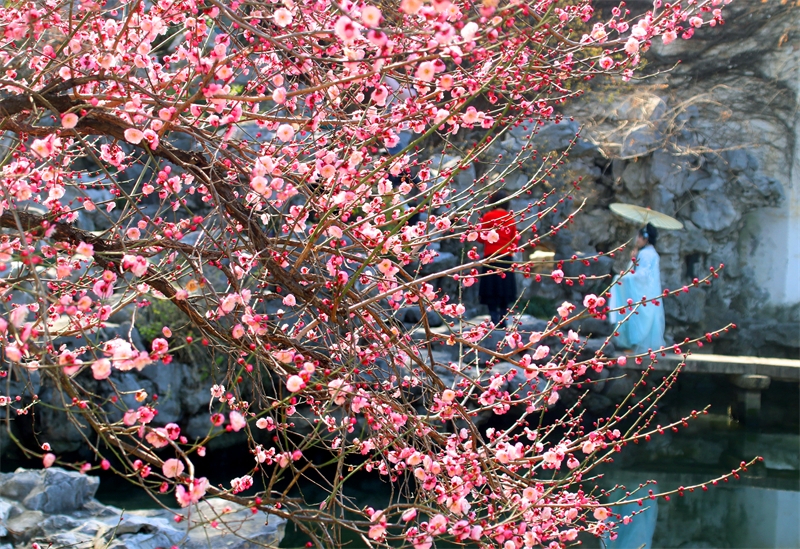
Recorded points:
775,255
767,232
774,233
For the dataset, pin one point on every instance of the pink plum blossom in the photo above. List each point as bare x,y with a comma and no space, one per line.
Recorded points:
295,383
606,62
195,492
132,135
237,421
101,368
370,16
279,95
69,120
172,468
285,133
282,17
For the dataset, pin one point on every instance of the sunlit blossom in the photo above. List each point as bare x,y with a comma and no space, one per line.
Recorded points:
295,383
282,17
132,135
69,120
371,16
285,133
172,468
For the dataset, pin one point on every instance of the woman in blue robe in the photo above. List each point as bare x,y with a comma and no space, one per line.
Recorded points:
644,330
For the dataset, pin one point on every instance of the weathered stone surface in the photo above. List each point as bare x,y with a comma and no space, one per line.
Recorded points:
413,315
752,382
635,178
555,137
669,171
463,176
24,526
51,490
739,160
598,266
593,326
18,485
7,510
784,333
708,155
528,323
706,184
640,140
693,240
713,212
619,384
688,307
640,106
61,519
59,491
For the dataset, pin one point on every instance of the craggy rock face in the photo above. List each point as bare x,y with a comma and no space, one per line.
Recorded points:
57,507
711,142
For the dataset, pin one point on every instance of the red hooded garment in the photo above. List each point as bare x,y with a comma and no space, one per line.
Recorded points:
502,222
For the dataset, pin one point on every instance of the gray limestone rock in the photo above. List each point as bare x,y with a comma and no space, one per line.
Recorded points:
7,510
593,326
635,178
687,307
61,519
759,190
51,490
168,381
693,240
737,160
25,526
709,184
18,485
598,266
412,315
713,212
619,384
785,334
555,137
194,395
54,425
198,427
595,344
641,140
463,176
641,106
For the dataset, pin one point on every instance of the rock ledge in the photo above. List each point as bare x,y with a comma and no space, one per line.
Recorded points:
56,508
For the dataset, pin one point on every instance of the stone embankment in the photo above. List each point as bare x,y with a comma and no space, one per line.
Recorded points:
56,508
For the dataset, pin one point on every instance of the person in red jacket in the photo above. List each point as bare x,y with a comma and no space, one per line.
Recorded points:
499,236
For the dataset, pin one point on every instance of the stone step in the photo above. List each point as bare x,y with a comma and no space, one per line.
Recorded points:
781,369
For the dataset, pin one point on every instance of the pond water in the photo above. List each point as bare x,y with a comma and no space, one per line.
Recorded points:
760,510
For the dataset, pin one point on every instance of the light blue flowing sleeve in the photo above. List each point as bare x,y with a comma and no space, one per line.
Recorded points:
645,328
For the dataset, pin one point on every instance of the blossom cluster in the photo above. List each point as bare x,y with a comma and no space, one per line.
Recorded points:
258,167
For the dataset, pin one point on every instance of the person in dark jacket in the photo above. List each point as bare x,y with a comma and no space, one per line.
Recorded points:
499,235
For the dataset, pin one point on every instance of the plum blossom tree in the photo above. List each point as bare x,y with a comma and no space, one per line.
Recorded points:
261,166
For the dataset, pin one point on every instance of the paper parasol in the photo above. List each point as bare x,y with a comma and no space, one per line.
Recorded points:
643,216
